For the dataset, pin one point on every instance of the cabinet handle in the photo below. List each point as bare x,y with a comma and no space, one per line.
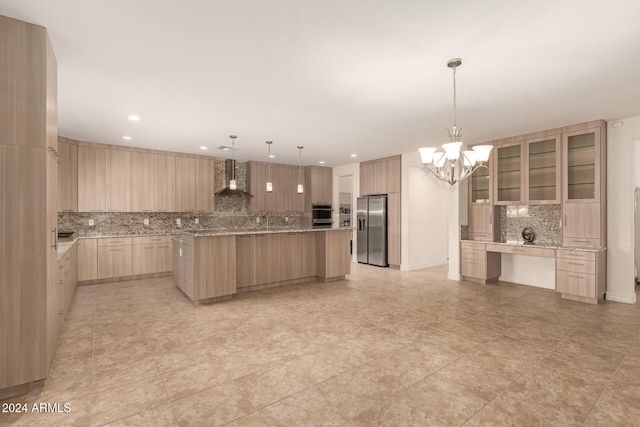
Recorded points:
165,246
61,312
115,250
565,219
490,219
576,263
55,238
575,277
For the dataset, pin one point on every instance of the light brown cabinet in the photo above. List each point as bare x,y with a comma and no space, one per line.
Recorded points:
287,251
61,294
584,185
581,275
306,255
284,197
483,222
29,204
114,257
332,251
318,185
164,183
185,184
478,265
142,182
183,265
92,176
257,176
381,176
542,176
204,185
67,177
393,231
245,249
87,259
264,259
151,255
118,181
509,158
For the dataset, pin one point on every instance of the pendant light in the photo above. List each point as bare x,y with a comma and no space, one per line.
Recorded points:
232,181
452,165
300,186
269,182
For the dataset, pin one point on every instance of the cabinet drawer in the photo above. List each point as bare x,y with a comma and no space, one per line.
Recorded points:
579,284
577,266
473,245
473,268
579,255
485,237
522,250
114,241
473,254
580,242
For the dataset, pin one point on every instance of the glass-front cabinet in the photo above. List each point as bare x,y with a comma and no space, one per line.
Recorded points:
582,165
480,190
508,173
543,167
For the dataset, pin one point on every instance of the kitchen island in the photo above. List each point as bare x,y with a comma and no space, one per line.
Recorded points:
214,265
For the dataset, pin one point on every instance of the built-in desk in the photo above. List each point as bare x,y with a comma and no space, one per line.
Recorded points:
580,273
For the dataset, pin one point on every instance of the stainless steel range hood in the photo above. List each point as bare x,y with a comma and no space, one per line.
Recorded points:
229,174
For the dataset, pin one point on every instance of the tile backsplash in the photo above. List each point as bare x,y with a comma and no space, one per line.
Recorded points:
545,220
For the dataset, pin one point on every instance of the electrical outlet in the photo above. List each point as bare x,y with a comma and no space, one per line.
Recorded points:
178,222
197,220
258,219
286,219
146,221
92,222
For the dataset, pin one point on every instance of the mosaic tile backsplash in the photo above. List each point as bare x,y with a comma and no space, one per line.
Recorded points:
545,220
230,213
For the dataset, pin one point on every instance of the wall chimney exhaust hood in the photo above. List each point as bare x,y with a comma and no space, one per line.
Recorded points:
230,175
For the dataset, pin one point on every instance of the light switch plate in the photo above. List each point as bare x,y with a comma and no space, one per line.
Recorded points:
197,220
178,222
92,222
146,221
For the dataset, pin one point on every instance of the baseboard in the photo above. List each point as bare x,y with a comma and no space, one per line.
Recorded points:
625,298
405,267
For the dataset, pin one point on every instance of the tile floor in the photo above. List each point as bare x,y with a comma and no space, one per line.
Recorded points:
384,347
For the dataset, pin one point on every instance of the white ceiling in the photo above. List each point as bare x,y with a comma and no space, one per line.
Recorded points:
336,76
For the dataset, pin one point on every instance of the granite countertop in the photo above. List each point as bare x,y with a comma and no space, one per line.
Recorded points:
204,233
547,246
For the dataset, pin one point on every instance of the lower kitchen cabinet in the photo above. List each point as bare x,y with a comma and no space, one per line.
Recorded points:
87,259
59,296
114,257
581,275
151,254
478,265
245,248
287,250
306,255
332,254
264,259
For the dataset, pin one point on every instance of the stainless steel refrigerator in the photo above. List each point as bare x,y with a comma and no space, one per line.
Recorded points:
372,230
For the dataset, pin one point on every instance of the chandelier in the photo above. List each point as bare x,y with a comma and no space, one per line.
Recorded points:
453,165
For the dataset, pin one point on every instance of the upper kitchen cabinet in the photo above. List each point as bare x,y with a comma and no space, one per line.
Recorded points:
92,175
256,186
164,183
185,184
381,176
67,177
284,197
543,170
509,177
204,185
318,185
480,188
118,187
584,174
142,182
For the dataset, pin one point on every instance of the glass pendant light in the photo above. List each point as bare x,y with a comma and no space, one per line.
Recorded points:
300,186
269,182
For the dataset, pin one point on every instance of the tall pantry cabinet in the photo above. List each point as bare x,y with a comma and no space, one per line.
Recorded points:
28,204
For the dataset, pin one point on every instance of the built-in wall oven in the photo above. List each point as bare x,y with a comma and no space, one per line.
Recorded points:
321,216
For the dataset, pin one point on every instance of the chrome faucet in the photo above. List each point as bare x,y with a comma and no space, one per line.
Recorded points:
265,217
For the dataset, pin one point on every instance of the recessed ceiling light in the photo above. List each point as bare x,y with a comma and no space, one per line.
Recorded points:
354,155
127,138
321,162
134,118
203,148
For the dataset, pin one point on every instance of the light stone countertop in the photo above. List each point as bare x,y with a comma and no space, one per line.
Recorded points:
521,244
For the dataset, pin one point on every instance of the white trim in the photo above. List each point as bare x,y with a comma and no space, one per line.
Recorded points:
416,267
629,299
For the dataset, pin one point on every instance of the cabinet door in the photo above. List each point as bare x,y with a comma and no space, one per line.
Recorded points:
393,230
582,165
380,177
306,254
185,184
394,173
244,260
367,179
264,259
87,259
543,170
321,185
114,261
204,185
581,224
164,258
164,183
92,176
480,188
256,185
68,177
482,222
286,252
143,258
142,186
509,174
118,192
